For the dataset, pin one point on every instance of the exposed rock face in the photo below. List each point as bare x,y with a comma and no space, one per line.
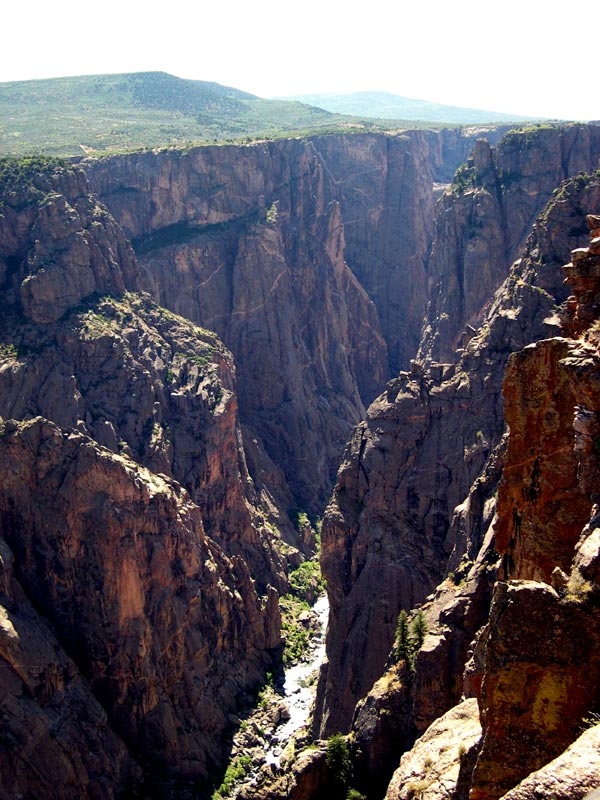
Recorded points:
158,620
252,242
437,766
385,189
119,406
482,226
575,773
58,244
543,506
55,738
542,667
249,242
413,461
541,678
381,729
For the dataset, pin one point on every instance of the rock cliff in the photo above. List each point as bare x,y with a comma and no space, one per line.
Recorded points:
483,223
140,564
534,666
249,242
413,460
121,448
454,414
307,258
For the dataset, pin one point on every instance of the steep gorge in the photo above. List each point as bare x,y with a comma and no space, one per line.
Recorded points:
425,441
141,514
307,258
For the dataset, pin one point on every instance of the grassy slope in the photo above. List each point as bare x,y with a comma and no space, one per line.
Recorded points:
72,116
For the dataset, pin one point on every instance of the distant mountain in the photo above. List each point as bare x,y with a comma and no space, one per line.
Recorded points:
75,115
392,106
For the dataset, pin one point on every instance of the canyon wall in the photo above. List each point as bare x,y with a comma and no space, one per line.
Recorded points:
425,441
149,466
307,258
525,647
120,448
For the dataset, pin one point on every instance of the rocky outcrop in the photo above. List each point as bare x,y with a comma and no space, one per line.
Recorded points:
134,377
541,677
438,764
58,244
120,450
413,461
482,225
56,740
384,186
158,620
575,773
303,256
249,242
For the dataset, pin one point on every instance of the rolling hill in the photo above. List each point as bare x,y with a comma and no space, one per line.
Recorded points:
101,113
384,105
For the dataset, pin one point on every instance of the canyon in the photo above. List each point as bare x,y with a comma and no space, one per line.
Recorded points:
200,347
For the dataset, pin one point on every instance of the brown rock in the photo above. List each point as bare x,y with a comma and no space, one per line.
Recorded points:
61,245
437,765
542,507
542,667
158,620
381,729
575,773
262,264
49,712
482,231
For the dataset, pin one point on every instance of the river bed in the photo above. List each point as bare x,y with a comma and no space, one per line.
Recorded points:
299,687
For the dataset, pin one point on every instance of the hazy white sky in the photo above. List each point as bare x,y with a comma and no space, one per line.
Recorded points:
520,56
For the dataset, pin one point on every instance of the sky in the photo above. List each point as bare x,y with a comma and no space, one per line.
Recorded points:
519,56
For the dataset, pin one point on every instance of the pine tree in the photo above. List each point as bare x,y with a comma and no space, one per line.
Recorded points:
402,643
419,629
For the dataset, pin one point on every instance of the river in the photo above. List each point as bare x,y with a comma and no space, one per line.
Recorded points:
299,687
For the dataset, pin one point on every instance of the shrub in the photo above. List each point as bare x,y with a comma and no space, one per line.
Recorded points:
338,759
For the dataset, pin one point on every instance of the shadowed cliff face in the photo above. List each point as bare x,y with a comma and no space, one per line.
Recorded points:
133,510
249,242
403,512
535,665
482,225
541,669
306,257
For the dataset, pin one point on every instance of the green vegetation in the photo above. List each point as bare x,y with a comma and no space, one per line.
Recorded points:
591,721
273,213
235,772
296,636
409,639
101,114
465,178
306,582
8,350
338,760
33,175
577,588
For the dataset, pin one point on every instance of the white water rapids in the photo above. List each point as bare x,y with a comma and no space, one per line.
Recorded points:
299,688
